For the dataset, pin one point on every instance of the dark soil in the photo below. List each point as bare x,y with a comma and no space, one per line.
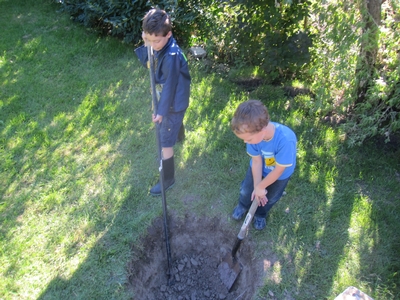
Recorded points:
292,92
198,245
248,84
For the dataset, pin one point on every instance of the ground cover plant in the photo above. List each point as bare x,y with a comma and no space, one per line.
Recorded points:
78,154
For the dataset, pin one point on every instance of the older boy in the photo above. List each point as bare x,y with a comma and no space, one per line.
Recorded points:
272,147
173,82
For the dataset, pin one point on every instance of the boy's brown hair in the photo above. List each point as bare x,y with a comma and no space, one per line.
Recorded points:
157,22
250,117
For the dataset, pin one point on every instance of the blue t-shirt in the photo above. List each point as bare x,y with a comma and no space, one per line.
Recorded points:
280,150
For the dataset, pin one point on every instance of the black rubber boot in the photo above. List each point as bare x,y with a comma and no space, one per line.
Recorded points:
181,134
169,177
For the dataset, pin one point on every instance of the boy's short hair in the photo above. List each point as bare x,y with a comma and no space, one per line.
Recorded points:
157,22
250,117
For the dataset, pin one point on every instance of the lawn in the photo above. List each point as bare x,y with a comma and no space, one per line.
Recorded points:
78,156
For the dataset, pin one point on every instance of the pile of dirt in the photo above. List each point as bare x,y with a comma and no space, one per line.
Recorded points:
197,247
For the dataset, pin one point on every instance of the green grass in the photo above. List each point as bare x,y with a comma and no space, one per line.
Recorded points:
78,154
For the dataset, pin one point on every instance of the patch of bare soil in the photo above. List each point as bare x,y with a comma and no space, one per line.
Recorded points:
248,84
198,245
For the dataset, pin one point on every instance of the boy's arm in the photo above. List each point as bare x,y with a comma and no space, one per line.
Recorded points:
171,71
141,53
256,170
259,189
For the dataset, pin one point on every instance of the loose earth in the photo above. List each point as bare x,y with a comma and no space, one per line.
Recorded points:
197,246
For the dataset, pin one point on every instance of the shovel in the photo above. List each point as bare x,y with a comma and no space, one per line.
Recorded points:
230,267
161,171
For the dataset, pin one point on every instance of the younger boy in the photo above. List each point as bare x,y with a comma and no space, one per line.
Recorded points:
272,147
173,82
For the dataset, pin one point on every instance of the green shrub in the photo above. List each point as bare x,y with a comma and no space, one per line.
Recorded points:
337,72
187,17
123,19
259,33
119,18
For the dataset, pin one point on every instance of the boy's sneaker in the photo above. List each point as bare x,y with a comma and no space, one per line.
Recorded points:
259,223
238,212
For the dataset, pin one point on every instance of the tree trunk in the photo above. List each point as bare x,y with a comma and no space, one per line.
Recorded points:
371,13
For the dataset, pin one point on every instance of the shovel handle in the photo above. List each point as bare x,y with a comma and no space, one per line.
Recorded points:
150,56
247,220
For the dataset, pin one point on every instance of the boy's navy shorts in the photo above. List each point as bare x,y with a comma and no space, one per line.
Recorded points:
169,129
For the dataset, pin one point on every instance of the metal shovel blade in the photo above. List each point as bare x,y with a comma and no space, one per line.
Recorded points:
229,269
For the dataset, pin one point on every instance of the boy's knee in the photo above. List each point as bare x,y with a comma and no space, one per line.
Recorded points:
245,192
273,201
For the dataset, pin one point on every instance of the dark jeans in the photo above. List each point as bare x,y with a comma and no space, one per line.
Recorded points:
275,192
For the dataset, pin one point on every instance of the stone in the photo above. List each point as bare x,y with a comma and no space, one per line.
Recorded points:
194,262
352,293
198,52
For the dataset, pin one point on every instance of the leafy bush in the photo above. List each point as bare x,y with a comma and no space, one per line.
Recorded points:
337,72
123,19
260,33
118,18
286,56
187,17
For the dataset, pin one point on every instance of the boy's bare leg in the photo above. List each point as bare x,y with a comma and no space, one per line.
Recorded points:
167,153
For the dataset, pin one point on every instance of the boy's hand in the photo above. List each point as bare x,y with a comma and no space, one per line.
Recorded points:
157,118
260,195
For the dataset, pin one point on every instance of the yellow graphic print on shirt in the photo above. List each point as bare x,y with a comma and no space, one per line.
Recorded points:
269,160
